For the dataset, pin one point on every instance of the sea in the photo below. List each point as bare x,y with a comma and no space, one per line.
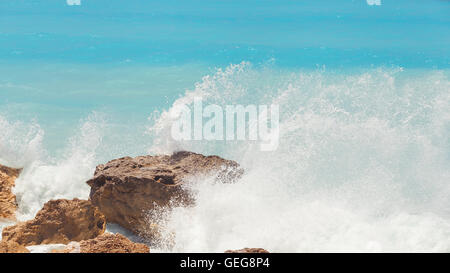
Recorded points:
363,89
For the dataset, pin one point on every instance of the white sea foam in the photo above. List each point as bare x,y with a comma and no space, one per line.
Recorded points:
44,178
45,248
363,164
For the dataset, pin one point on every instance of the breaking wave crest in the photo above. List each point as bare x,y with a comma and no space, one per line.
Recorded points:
363,163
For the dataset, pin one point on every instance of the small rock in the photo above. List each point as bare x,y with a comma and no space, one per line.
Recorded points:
58,222
106,243
248,250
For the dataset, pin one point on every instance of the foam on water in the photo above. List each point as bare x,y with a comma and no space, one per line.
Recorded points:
362,163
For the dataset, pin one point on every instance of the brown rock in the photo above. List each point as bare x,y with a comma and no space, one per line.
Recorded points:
8,203
248,250
106,243
12,247
126,189
58,222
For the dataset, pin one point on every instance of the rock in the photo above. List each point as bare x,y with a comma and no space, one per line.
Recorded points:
106,243
8,203
248,250
58,222
126,189
12,247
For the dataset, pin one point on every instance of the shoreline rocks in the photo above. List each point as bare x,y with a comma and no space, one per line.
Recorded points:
125,189
8,205
248,250
105,243
58,222
12,247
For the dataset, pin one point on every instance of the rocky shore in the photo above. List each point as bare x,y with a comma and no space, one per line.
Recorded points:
58,222
123,191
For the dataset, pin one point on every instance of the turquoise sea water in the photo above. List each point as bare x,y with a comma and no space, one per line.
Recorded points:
59,62
364,96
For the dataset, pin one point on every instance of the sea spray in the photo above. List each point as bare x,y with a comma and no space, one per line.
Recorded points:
44,178
20,143
362,164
